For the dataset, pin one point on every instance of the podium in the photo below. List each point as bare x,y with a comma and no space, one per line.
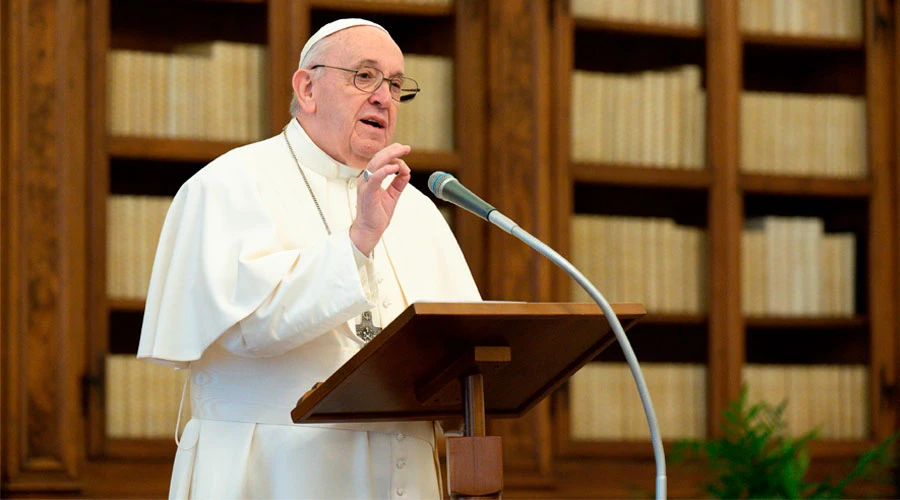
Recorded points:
475,359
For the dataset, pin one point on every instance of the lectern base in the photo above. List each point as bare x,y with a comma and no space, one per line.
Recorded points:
475,467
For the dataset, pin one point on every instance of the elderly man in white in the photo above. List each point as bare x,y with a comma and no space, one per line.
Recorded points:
277,262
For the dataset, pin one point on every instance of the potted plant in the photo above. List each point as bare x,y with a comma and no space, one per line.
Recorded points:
755,458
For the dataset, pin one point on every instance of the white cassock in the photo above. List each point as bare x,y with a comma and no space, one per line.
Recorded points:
251,294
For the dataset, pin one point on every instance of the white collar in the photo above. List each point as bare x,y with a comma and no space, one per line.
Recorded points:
312,157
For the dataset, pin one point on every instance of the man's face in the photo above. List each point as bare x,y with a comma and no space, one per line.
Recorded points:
353,125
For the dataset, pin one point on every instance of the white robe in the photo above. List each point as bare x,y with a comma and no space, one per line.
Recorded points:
250,292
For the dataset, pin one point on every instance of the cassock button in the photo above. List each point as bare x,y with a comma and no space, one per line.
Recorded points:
352,183
400,492
386,303
379,279
401,463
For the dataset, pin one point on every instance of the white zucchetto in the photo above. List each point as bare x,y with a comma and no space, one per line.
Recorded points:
332,28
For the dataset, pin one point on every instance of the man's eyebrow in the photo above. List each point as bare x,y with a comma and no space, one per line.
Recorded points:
373,64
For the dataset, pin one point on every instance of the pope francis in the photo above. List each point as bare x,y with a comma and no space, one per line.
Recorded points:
277,262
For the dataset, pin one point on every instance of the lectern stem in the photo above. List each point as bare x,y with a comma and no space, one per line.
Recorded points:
473,400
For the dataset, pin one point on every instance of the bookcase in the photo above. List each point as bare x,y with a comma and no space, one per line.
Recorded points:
790,194
174,84
695,196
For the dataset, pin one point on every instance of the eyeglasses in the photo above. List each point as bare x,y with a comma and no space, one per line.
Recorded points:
370,79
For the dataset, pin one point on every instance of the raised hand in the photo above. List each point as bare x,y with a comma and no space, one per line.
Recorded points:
375,204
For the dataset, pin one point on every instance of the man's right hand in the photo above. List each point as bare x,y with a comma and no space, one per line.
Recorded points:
375,204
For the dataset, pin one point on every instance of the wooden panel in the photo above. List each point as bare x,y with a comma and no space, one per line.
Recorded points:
519,184
470,109
882,243
723,81
44,243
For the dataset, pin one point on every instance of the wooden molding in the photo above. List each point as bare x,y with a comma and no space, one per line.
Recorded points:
44,242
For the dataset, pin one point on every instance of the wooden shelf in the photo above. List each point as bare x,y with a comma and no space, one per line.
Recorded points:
409,9
667,319
805,186
126,305
167,149
199,150
819,449
807,323
638,176
631,28
149,448
802,42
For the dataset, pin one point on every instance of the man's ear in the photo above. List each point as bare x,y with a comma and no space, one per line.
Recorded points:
302,83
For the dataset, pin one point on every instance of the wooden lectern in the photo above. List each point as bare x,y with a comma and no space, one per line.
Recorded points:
476,359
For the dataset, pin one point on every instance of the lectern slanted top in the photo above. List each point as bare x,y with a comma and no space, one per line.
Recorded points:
410,370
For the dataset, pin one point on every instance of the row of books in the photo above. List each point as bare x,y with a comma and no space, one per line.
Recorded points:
133,226
142,398
831,399
802,134
826,18
217,91
653,118
791,267
678,12
604,403
426,122
653,261
414,2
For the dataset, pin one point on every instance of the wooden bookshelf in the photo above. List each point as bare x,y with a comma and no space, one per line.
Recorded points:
514,62
725,338
132,162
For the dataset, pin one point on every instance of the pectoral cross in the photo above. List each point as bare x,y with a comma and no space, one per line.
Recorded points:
367,330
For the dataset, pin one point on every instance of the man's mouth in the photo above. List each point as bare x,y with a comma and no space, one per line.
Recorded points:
372,123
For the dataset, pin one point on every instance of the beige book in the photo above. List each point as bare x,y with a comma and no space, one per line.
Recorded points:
847,269
818,136
677,252
828,299
671,112
634,426
114,398
114,241
578,253
698,386
581,404
608,410
615,264
666,256
820,410
797,413
578,108
118,78
860,402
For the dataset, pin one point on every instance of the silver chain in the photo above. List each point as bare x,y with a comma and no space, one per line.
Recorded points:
306,181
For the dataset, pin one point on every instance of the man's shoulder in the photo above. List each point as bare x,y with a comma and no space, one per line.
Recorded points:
235,165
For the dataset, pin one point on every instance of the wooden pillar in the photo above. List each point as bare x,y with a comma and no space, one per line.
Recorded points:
518,176
42,241
726,208
881,270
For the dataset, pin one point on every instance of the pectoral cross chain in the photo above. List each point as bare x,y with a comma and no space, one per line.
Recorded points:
367,330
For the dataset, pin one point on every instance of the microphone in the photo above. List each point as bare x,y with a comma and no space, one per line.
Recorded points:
447,188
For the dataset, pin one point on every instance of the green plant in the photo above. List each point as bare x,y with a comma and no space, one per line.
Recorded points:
754,458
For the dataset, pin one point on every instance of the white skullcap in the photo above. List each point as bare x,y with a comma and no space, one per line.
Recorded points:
332,28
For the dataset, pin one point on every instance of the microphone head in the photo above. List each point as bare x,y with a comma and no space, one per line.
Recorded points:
437,181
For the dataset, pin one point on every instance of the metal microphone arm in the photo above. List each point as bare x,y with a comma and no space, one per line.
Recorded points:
505,223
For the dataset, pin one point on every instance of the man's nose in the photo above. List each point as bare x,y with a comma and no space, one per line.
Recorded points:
382,94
